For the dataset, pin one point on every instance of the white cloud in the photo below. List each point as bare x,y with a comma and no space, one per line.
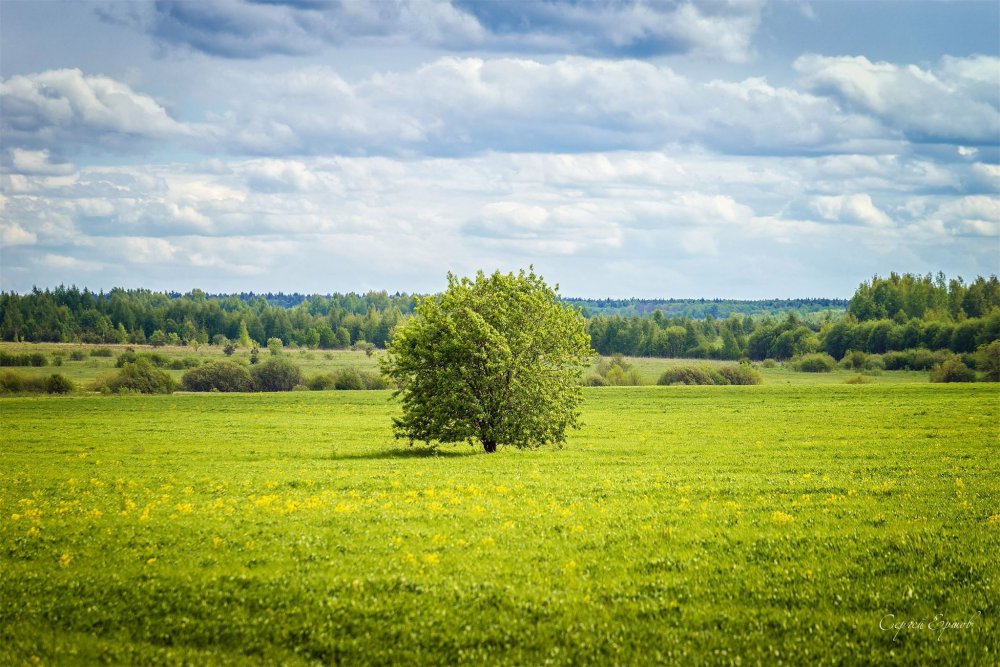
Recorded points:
13,234
958,102
54,107
854,209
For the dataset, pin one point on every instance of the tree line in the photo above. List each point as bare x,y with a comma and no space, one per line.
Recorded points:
885,314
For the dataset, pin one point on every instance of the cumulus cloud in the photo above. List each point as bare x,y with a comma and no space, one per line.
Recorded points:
456,106
854,209
956,102
253,29
59,107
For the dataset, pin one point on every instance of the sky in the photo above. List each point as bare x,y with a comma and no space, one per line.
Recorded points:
739,149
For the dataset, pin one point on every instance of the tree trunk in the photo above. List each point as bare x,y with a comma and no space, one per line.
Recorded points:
490,446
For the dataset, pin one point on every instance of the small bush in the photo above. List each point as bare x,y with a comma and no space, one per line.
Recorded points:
179,364
11,382
322,382
130,357
702,375
25,359
77,355
819,362
140,377
101,352
769,363
740,374
618,372
854,359
988,361
595,381
58,384
277,374
347,379
874,362
860,379
952,370
224,376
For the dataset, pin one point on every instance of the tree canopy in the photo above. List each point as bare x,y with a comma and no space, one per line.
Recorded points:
496,359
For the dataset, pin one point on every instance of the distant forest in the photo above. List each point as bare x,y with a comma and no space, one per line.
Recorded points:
899,312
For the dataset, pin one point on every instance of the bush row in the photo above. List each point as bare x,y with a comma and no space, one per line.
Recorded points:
15,383
25,359
740,374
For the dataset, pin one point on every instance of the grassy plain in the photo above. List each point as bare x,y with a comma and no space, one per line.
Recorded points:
776,524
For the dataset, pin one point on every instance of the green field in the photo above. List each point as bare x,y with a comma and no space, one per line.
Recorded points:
776,524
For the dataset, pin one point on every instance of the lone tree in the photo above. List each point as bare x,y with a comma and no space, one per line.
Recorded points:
497,359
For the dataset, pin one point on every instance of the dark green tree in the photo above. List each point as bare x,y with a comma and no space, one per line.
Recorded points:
496,359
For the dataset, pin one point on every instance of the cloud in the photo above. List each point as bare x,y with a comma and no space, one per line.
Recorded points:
12,233
58,107
958,102
37,163
854,209
632,28
457,106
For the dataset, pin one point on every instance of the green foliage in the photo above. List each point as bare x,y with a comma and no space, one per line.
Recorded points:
277,374
223,376
77,355
25,359
101,352
180,363
58,384
140,377
952,370
615,372
155,358
742,374
691,375
498,359
820,362
859,379
229,349
347,379
988,361
274,345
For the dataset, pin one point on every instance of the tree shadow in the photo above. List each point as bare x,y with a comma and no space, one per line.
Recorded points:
407,453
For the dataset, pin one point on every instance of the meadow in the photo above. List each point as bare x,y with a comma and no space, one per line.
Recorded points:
774,524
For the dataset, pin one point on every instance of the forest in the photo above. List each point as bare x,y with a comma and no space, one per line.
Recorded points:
885,314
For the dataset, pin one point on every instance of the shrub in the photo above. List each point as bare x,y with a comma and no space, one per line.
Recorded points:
854,359
58,384
952,370
77,355
874,362
141,377
225,376
819,362
691,375
180,364
130,357
229,349
25,359
322,382
860,379
101,352
618,372
769,363
988,361
595,381
347,378
740,374
922,359
11,382
277,374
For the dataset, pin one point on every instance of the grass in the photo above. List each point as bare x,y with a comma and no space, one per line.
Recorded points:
697,525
